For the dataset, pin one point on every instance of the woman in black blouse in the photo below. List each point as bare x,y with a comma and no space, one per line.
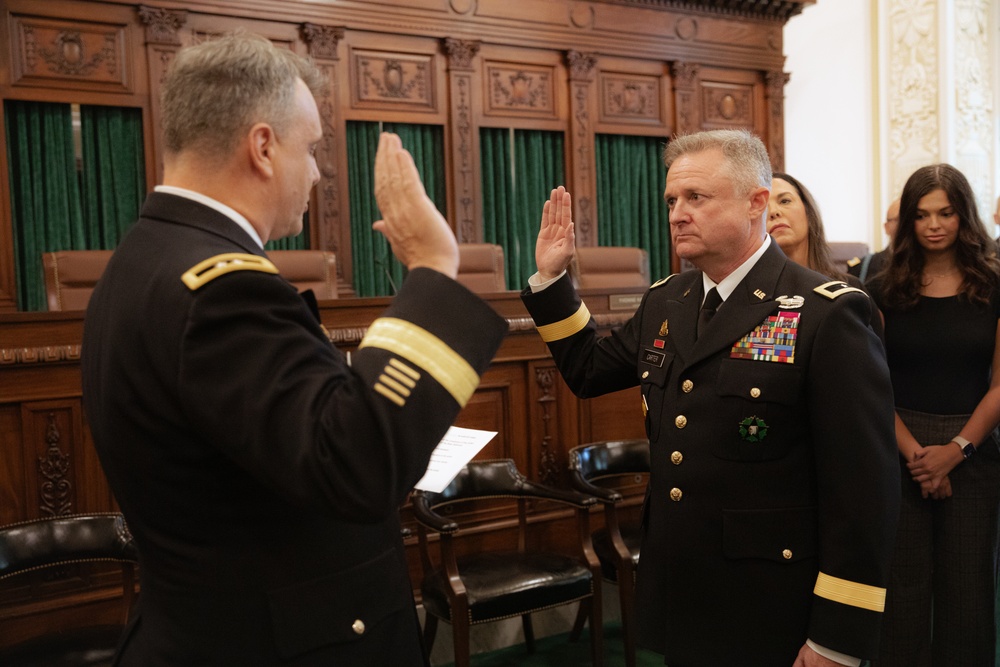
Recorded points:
940,296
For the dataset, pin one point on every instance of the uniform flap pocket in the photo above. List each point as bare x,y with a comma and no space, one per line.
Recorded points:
784,535
654,366
339,607
760,381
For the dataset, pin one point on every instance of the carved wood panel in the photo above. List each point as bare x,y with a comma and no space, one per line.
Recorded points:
629,98
727,105
518,89
397,80
52,53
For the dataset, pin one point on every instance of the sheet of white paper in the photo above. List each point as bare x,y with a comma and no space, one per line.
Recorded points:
456,448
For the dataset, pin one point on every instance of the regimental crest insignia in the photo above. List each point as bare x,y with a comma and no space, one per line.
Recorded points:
664,329
753,429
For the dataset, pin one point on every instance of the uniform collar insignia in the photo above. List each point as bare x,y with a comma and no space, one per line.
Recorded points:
791,302
759,294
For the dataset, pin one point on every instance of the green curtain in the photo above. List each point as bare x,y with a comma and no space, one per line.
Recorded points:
58,205
112,174
630,209
44,191
518,173
376,271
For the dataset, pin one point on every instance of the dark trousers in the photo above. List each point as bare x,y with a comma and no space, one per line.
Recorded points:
940,600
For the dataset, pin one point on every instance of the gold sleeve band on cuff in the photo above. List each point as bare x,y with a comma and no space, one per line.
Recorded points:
565,328
427,351
850,592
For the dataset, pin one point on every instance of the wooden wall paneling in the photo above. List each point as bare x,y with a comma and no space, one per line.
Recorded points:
53,435
733,99
581,167
162,40
636,97
499,405
523,88
398,80
330,212
13,505
775,81
687,103
464,108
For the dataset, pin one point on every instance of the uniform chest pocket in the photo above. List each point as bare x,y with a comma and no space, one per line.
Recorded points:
762,404
654,369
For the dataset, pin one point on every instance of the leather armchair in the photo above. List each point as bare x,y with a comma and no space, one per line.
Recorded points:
29,546
482,587
608,266
70,276
604,469
481,267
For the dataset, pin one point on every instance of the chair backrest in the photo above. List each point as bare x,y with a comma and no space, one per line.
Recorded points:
613,457
70,276
608,266
76,538
308,269
481,267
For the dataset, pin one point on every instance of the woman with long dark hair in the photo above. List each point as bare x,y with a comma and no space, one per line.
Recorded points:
940,296
795,223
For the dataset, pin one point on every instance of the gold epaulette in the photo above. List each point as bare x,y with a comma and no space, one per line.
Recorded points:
206,271
662,281
835,288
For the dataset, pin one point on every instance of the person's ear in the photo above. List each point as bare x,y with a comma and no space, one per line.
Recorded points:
261,142
759,199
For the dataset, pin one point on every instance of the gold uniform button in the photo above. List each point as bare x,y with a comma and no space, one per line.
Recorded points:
687,386
676,458
681,421
787,553
645,374
675,494
755,392
358,626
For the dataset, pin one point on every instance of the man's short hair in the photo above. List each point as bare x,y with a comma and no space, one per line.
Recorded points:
749,163
214,92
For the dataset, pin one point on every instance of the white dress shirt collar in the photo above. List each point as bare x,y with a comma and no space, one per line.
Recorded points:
729,283
217,205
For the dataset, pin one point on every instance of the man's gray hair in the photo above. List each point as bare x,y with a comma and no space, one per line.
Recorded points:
749,163
216,91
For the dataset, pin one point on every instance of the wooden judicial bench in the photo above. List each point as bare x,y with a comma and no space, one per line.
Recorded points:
583,68
48,465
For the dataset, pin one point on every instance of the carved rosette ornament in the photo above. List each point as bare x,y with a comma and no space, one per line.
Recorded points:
322,40
162,25
548,469
54,468
461,52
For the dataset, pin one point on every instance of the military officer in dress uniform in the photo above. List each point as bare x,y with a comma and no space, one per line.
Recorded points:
258,470
772,502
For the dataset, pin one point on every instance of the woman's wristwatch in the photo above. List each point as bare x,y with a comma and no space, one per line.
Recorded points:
968,449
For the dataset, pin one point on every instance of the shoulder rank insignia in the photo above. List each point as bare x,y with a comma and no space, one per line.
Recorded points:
208,270
854,261
662,281
835,288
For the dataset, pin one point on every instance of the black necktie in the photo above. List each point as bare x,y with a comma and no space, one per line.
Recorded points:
712,301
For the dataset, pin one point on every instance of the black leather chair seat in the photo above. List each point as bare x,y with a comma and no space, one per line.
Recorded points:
506,584
606,552
79,647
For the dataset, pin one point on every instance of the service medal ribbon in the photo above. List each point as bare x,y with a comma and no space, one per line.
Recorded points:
771,340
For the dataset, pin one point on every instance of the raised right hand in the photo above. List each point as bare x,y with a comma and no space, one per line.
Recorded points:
556,242
418,233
